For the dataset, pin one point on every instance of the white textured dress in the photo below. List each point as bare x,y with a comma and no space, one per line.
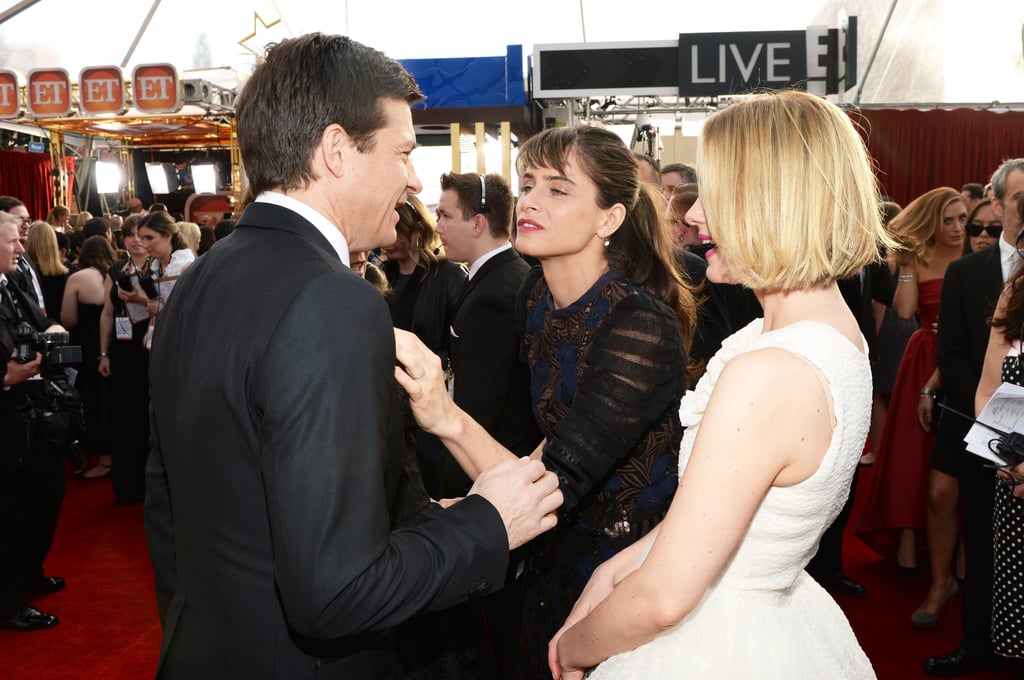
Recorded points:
764,617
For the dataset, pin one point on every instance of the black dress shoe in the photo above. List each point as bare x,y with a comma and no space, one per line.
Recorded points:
45,586
842,584
30,619
959,662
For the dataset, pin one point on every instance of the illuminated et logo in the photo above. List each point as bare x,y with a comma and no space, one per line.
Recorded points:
48,93
10,102
155,88
101,90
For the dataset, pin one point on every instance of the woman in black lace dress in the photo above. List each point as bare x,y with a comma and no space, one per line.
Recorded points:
606,323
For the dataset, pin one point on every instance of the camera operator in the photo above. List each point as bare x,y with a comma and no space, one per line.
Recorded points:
31,472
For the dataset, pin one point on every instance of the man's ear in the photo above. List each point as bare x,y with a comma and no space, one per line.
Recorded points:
333,148
997,207
480,224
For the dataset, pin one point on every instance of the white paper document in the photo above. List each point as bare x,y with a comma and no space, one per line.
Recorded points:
1005,412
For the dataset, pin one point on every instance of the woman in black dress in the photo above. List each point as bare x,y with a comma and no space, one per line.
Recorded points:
80,314
124,362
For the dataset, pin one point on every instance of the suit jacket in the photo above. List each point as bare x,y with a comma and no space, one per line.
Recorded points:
858,291
492,384
970,291
24,282
277,439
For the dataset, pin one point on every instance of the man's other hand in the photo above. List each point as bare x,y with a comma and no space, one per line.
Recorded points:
526,496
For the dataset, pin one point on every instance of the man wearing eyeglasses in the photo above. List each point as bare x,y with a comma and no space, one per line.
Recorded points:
27,277
971,287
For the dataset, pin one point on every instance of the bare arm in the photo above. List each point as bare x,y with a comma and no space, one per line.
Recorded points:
106,327
749,440
904,301
69,307
420,375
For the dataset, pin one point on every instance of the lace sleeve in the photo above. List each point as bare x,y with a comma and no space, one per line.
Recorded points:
633,373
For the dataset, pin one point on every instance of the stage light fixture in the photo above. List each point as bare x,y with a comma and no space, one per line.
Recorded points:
204,178
108,177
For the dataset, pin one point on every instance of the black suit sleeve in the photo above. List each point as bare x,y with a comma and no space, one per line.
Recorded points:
338,567
959,375
489,353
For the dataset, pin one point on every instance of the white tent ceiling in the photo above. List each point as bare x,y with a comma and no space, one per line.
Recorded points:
931,51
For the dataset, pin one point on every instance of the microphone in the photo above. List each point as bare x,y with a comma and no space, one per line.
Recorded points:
1008,446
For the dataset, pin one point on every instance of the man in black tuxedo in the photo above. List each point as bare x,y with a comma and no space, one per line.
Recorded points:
970,290
276,421
26,276
31,478
492,384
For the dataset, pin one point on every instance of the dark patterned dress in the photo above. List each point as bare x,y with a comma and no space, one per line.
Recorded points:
1008,545
607,374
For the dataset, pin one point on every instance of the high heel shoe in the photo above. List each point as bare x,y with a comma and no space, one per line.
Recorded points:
923,619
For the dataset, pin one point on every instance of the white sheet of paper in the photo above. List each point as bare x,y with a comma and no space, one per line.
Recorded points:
1005,412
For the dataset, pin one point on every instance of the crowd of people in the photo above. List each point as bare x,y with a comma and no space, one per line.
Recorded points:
522,410
99,290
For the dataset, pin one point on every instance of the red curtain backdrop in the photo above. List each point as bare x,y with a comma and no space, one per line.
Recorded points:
26,176
915,151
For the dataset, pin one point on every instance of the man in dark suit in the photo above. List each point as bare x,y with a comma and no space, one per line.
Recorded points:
492,384
970,290
276,421
31,478
26,276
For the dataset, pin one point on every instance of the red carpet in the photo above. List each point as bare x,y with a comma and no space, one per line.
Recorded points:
109,627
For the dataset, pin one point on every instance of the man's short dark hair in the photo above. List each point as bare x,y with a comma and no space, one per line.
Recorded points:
497,207
97,226
974,190
687,172
8,202
223,228
304,85
650,162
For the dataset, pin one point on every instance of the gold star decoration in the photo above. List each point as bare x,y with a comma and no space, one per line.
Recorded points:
257,20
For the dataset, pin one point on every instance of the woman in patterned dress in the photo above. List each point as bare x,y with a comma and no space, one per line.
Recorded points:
605,318
1004,363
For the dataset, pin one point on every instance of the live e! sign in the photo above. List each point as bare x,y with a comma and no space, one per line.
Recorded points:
817,60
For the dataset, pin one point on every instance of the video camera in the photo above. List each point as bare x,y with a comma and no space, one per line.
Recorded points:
54,347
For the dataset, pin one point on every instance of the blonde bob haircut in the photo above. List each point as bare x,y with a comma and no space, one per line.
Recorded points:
788,192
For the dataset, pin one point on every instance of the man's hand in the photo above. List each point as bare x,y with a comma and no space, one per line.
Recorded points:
19,373
526,496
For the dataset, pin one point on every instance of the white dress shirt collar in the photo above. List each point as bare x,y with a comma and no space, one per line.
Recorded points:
486,256
1009,258
316,218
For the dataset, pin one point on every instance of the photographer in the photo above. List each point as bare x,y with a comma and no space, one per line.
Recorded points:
31,451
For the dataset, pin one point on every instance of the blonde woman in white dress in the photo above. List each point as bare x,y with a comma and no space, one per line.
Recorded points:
774,429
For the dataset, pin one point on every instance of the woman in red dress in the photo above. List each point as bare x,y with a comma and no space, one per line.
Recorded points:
904,489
